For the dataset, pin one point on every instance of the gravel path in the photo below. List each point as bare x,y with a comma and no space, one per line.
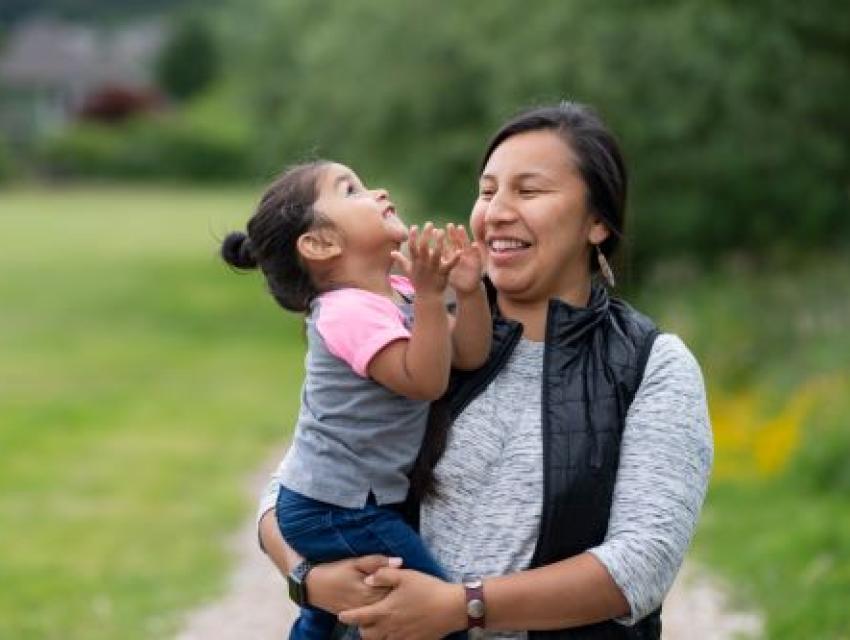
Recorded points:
255,605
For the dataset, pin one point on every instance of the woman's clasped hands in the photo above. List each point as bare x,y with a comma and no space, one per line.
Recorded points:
416,607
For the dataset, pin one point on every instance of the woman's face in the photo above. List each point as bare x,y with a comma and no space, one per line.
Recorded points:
532,219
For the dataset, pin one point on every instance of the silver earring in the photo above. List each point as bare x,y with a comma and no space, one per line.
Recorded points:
605,268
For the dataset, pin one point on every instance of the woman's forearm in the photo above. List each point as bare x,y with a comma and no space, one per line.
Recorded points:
570,593
281,554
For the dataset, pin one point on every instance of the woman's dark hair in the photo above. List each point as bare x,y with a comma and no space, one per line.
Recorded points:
600,161
284,213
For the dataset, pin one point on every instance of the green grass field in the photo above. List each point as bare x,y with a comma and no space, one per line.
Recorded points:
141,382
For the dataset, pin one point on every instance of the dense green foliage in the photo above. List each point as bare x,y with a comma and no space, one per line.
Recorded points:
733,116
167,148
6,166
190,60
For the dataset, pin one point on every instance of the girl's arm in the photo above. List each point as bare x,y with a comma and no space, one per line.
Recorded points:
472,326
419,366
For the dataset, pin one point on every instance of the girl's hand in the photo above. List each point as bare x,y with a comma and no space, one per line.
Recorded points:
337,586
428,266
419,607
465,277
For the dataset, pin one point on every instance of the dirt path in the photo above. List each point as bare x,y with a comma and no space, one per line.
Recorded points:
256,607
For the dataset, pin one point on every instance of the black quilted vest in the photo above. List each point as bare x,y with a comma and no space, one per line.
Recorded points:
593,364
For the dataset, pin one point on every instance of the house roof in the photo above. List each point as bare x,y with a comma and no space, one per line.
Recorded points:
53,54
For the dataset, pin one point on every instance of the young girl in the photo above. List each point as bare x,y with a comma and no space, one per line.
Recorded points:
326,246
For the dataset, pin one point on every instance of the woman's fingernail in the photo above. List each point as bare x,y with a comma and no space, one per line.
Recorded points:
370,580
394,562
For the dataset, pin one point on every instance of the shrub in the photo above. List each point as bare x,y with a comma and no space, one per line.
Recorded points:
167,148
6,166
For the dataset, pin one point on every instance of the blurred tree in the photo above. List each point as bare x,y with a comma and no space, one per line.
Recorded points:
733,116
189,61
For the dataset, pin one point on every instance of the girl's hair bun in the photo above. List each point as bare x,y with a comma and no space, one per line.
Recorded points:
236,251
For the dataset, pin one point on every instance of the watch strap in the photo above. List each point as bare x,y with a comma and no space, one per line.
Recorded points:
474,589
297,581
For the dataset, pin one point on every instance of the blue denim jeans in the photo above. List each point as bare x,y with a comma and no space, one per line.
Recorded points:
322,532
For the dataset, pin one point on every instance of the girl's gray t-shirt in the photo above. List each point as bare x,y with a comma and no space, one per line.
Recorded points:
353,436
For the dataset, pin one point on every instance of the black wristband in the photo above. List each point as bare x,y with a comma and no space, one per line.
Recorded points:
297,580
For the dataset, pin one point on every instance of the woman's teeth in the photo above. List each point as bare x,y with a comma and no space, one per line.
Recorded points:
507,244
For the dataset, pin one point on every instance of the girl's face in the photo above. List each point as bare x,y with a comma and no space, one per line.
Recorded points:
365,219
532,219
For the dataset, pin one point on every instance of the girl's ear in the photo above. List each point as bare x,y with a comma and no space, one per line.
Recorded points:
318,245
599,231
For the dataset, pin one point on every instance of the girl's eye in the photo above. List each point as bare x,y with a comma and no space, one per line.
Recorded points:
485,194
350,189
528,192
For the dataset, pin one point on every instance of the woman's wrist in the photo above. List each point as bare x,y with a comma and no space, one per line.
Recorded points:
454,608
472,294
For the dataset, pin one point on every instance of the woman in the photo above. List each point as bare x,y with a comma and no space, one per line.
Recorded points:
576,461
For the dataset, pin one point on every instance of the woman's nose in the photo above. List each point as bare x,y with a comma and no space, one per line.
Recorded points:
499,209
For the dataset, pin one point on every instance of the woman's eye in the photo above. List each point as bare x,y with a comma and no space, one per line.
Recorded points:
528,192
486,194
350,188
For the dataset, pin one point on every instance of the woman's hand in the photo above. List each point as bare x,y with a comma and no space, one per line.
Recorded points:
465,277
341,585
419,607
333,586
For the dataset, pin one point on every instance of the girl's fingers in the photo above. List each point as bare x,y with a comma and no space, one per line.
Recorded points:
451,234
425,240
439,247
449,263
413,242
403,262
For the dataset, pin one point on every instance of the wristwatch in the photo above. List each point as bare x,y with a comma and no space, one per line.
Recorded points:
474,588
297,580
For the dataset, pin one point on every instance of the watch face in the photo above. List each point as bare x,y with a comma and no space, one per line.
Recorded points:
475,608
300,571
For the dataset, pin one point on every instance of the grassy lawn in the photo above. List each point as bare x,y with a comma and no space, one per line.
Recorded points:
140,381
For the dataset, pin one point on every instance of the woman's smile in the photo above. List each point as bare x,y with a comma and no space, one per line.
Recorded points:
503,250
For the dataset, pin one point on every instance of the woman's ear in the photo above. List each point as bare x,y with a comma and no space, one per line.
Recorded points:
318,245
599,231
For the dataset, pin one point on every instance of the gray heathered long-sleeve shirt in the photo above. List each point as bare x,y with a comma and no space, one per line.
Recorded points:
487,516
